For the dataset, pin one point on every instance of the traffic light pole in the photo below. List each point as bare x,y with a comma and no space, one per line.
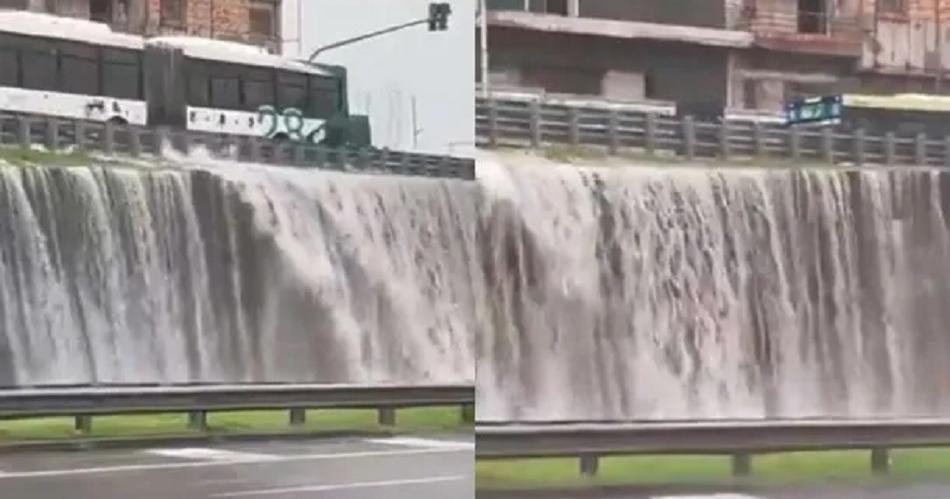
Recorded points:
366,36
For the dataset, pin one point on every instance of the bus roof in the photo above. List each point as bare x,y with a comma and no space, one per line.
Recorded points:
899,102
65,28
234,52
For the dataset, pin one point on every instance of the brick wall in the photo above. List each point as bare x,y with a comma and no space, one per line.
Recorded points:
218,18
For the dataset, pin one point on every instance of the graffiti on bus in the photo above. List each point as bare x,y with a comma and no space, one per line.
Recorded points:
291,123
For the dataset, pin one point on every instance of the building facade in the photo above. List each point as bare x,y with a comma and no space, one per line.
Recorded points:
752,54
255,21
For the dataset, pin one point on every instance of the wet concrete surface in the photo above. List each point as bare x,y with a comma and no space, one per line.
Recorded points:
402,467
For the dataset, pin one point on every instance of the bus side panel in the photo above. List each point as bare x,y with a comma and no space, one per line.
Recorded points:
165,83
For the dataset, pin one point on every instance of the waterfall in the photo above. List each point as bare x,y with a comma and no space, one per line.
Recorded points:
124,274
679,292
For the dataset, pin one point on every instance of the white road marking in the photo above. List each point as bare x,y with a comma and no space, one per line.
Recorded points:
342,486
710,496
205,454
206,464
423,443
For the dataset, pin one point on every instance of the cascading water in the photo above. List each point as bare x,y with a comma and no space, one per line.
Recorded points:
124,274
675,292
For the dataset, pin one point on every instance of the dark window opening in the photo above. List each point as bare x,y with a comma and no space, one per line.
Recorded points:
121,73
263,20
173,12
258,88
41,71
291,91
79,67
100,10
549,6
813,16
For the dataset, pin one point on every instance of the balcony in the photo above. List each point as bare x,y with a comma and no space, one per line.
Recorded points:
807,32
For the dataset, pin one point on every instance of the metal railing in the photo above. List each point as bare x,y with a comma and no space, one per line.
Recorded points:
739,439
84,402
136,141
508,122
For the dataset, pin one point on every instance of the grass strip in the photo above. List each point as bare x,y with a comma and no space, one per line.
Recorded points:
791,468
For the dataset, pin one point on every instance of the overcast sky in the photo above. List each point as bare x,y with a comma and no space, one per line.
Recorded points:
437,69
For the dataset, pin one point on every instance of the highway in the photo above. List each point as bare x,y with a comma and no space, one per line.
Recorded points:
401,467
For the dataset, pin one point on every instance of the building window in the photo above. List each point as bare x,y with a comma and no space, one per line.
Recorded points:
173,12
263,19
100,10
813,16
893,6
550,6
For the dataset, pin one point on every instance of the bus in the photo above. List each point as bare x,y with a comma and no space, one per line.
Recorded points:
903,114
80,69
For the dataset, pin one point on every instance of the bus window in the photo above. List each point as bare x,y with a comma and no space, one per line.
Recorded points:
121,71
292,91
324,99
225,86
258,88
198,88
40,73
80,68
9,69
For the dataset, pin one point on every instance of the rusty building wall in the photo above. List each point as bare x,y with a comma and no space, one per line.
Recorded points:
911,41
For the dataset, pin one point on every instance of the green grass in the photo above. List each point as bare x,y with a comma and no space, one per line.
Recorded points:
793,468
156,425
19,156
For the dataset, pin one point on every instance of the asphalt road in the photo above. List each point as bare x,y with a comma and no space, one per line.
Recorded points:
404,467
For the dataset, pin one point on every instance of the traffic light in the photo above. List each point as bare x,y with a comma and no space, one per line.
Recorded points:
439,16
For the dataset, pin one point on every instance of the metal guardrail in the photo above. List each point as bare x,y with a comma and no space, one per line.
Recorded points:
511,122
740,439
198,400
135,141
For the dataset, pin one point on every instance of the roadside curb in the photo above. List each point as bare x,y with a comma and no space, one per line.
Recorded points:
85,444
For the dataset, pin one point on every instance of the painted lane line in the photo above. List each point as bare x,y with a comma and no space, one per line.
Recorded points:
205,454
208,464
710,496
342,486
425,443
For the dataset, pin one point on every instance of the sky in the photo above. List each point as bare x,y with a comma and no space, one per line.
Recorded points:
388,73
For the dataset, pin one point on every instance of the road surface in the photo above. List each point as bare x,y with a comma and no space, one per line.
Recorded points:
402,467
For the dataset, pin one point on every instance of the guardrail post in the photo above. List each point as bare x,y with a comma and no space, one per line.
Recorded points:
492,122
23,132
468,413
589,464
574,132
650,134
387,416
83,424
198,420
108,138
689,137
828,145
920,149
535,124
135,142
254,149
79,132
724,139
52,134
794,143
613,131
741,464
859,146
758,139
880,461
889,153
298,416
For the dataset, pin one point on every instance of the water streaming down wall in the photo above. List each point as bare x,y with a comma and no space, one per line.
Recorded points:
233,274
674,292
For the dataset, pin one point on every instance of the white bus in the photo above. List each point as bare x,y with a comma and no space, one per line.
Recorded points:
80,69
